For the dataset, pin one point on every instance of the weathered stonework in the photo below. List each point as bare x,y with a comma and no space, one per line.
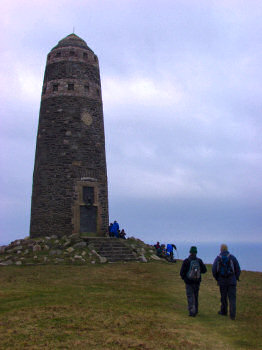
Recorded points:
70,180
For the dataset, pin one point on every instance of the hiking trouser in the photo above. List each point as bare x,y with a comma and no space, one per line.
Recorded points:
228,292
192,298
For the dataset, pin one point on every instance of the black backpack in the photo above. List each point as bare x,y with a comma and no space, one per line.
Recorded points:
225,265
194,272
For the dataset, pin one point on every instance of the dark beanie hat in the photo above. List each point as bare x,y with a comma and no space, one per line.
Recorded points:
193,250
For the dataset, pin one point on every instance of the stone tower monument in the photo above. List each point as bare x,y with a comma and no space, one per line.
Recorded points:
70,180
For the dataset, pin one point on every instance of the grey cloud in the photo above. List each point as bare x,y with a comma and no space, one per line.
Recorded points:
188,162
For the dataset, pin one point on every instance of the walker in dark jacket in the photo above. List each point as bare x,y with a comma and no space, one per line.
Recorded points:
227,281
192,285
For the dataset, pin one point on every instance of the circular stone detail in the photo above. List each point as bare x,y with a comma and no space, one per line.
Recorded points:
86,118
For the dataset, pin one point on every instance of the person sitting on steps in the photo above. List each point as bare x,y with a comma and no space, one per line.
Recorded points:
122,234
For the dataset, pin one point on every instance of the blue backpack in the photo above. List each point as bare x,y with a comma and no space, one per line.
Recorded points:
225,265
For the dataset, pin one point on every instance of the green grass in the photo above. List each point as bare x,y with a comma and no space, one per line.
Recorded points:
121,306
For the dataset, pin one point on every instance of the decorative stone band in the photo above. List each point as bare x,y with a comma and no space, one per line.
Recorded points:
71,53
71,87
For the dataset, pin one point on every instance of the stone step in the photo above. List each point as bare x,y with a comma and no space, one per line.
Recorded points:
113,249
110,246
118,260
112,252
119,256
116,254
109,242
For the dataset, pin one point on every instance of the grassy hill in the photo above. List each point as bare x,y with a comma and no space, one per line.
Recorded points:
121,306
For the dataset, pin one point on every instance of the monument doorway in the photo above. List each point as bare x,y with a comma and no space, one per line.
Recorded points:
88,219
88,211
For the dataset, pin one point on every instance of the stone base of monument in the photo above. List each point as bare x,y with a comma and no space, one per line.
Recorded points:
75,249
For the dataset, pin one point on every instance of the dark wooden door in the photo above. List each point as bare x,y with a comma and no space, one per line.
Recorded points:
88,219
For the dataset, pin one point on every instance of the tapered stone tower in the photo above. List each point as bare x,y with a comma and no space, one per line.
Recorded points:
70,179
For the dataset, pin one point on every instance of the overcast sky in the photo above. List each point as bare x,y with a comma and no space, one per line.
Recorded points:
182,94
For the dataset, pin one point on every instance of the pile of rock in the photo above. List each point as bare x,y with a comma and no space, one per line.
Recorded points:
144,251
72,249
52,250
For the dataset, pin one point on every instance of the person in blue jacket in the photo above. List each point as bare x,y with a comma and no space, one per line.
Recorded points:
226,271
170,252
110,230
115,229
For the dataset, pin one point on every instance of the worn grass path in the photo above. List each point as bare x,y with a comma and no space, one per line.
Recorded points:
121,306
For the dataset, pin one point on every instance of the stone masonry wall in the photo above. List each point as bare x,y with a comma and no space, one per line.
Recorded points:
70,143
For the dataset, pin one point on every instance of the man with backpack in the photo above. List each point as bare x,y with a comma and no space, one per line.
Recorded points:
226,271
190,272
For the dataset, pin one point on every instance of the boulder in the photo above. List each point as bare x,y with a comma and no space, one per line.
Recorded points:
46,247
18,262
74,235
102,259
16,242
94,252
70,249
7,262
155,257
53,237
37,248
78,257
67,244
142,258
2,249
79,245
19,247
91,246
55,252
74,238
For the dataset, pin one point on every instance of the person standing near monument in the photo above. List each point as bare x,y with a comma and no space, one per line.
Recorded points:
190,272
170,252
226,271
115,229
